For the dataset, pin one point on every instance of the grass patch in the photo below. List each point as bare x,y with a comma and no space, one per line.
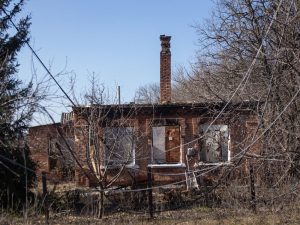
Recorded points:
203,209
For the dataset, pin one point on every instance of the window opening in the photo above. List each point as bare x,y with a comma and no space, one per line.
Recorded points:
215,145
53,154
119,145
165,138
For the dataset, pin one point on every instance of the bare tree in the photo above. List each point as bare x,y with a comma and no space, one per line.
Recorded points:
251,48
108,138
182,91
147,94
187,87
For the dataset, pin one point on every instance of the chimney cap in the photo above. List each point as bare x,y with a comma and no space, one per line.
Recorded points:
165,44
165,38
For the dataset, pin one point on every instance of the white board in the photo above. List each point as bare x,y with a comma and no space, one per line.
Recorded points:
159,144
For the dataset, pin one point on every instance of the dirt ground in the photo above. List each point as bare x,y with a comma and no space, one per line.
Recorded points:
195,215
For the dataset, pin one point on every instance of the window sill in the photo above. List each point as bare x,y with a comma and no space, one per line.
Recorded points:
197,165
166,165
119,167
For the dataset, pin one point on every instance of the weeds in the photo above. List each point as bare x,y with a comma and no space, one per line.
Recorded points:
227,205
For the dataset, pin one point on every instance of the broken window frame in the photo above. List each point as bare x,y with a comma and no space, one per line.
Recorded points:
53,154
166,164
109,163
203,146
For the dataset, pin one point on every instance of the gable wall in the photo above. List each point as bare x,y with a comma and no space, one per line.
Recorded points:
39,137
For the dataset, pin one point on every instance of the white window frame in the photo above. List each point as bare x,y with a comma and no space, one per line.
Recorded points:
165,164
227,162
116,166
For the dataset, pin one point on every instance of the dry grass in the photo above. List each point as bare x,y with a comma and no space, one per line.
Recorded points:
227,206
195,215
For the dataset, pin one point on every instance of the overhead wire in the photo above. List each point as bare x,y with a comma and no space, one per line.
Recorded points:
104,190
69,149
262,42
170,174
43,107
74,104
72,101
38,58
145,189
246,75
254,141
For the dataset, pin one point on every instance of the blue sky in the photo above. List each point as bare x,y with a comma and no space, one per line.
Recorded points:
117,39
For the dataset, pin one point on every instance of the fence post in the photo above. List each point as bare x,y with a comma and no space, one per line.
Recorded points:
45,195
150,192
252,187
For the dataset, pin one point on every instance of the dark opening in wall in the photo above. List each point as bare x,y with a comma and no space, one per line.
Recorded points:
53,154
165,122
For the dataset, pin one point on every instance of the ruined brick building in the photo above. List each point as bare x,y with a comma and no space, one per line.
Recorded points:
166,137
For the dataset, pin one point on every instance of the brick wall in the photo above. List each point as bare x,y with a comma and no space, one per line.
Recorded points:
240,132
241,124
39,137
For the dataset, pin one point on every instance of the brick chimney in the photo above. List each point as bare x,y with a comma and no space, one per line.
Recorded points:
165,69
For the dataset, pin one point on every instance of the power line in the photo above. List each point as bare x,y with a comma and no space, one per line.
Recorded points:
171,148
68,147
246,75
38,58
244,151
145,189
210,124
227,103
104,190
179,173
249,146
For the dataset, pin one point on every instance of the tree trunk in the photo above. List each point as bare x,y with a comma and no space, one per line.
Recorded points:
101,208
